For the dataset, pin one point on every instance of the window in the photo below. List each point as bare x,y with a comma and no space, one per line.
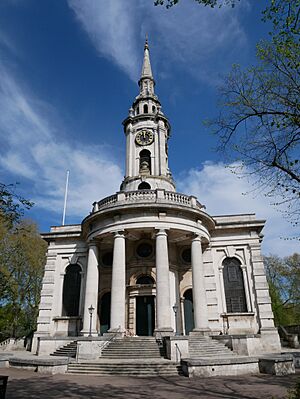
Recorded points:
71,291
144,250
145,109
144,186
153,109
146,280
234,286
145,162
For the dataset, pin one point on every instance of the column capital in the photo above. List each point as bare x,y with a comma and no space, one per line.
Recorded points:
161,232
92,243
197,237
119,233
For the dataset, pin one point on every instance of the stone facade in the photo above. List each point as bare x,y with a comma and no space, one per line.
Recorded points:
150,261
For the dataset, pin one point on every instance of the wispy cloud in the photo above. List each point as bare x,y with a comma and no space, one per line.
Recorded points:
188,34
32,150
223,193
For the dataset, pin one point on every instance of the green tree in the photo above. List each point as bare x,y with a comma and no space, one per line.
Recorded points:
12,205
22,257
283,275
209,3
259,122
22,253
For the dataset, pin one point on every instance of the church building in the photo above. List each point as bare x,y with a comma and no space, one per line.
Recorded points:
150,261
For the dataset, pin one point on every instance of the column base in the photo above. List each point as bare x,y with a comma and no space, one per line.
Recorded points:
117,332
200,331
164,332
93,333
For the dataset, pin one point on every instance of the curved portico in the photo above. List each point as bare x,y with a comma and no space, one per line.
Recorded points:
117,219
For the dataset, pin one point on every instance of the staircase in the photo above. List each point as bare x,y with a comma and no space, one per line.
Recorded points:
201,346
130,356
133,348
140,368
68,350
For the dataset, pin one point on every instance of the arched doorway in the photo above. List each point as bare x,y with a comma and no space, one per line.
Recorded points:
145,315
188,311
104,312
145,318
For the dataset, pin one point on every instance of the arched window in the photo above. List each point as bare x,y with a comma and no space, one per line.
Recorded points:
153,109
137,110
147,280
71,291
144,186
145,162
145,109
234,286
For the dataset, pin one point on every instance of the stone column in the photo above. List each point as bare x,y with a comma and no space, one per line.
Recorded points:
221,282
199,292
118,285
163,307
246,287
91,291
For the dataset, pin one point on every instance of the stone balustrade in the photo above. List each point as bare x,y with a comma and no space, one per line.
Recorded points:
147,196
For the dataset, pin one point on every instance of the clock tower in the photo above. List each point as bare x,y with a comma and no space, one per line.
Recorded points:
147,133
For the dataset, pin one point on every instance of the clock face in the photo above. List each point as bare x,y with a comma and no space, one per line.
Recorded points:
144,137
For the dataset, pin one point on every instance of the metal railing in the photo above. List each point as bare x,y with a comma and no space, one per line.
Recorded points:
111,338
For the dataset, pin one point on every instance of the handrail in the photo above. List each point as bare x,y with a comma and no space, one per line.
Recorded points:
178,351
111,338
4,344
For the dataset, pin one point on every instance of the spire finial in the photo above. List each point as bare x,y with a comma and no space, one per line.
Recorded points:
146,69
146,42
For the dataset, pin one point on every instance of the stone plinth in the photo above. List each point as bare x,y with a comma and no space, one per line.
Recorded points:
277,365
194,368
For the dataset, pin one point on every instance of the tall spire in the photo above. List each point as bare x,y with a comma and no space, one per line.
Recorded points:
146,69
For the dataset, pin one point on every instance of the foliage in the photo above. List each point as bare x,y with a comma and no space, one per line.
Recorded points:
22,256
259,122
294,393
12,205
283,275
210,3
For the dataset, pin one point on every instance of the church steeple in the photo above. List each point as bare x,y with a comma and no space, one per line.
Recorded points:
146,81
147,132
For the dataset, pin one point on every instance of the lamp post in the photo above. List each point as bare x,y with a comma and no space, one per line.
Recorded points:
91,310
175,309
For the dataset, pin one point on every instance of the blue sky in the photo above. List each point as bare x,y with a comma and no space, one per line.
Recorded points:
68,75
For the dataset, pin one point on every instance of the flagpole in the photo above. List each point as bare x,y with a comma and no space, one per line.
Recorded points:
66,196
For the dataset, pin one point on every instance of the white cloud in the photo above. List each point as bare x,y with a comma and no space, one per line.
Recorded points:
31,149
222,192
188,34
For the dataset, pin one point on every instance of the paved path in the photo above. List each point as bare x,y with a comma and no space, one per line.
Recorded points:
29,385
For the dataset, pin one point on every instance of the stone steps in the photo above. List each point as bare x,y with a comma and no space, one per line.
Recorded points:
68,350
133,348
126,369
200,346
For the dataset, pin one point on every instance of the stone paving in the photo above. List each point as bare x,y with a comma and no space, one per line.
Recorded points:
23,384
